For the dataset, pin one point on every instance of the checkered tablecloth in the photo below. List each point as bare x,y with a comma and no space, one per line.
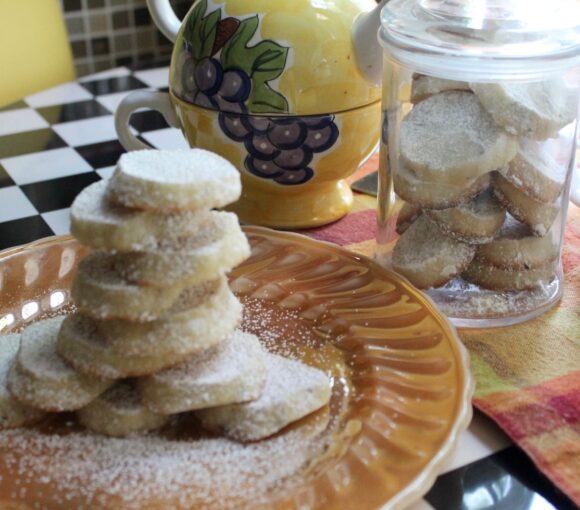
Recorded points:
56,142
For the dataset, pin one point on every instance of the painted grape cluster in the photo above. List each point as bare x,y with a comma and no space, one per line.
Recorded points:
209,86
280,148
221,70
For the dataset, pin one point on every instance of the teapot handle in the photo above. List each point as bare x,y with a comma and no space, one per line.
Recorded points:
165,18
154,100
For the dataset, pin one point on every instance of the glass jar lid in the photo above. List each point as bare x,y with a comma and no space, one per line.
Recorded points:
483,40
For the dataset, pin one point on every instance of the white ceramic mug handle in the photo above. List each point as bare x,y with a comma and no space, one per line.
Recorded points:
165,18
141,99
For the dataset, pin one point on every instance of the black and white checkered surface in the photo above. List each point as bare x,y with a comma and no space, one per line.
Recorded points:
56,142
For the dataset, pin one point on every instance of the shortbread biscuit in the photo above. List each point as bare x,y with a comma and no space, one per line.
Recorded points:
13,413
476,222
233,371
119,412
516,247
170,180
496,278
215,249
538,215
450,138
292,391
535,172
407,215
118,349
428,257
102,291
40,378
535,110
426,86
436,195
98,223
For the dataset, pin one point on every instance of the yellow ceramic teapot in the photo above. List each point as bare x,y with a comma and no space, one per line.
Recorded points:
287,90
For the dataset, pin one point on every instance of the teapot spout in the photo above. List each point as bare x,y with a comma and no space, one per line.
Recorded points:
365,40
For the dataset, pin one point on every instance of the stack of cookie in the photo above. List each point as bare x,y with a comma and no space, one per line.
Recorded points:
480,186
154,333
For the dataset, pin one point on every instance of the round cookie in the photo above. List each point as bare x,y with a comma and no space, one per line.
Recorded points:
476,222
231,372
102,291
436,195
496,278
535,172
13,413
535,110
40,378
407,215
118,349
429,258
292,391
450,138
215,249
170,180
538,215
119,412
425,86
516,248
96,222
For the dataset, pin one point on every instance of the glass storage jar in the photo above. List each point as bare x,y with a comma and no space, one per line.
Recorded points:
480,107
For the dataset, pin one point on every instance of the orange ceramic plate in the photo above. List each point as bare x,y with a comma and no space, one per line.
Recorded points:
401,393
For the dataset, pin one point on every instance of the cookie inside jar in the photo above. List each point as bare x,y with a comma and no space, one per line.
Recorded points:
477,175
479,137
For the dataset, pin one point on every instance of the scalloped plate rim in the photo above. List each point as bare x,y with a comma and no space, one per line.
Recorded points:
425,479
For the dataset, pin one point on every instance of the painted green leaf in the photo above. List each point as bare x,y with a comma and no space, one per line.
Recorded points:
191,29
199,10
269,60
188,29
264,99
263,62
200,31
207,33
235,51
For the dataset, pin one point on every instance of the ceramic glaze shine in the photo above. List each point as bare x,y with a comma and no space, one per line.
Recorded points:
322,75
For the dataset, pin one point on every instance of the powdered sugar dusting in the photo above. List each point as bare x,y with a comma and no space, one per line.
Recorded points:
423,248
91,205
286,377
188,166
62,466
38,350
292,390
135,472
221,363
456,116
8,349
283,332
479,303
169,180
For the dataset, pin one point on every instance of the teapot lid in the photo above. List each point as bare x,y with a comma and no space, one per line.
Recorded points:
483,40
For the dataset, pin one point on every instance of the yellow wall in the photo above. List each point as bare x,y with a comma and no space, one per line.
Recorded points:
34,48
